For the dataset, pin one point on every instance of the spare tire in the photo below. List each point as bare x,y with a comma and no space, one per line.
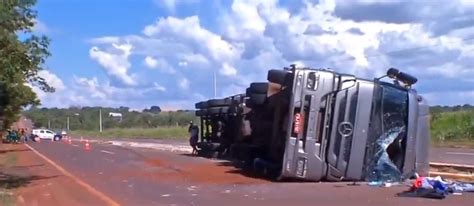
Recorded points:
219,102
259,87
277,76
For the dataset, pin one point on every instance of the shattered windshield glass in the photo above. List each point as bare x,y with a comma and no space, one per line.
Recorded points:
389,123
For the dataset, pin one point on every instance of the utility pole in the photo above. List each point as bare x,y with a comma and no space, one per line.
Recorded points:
215,84
68,124
49,124
100,120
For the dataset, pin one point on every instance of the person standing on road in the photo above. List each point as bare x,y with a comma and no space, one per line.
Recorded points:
23,135
193,131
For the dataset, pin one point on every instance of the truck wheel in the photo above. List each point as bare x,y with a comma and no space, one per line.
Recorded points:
201,105
277,76
259,87
218,110
219,102
201,112
258,99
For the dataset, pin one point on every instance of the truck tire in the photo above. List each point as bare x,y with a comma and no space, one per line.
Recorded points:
248,92
201,112
219,102
277,76
201,105
218,110
259,87
257,99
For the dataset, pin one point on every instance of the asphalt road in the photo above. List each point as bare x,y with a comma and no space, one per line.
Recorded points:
150,177
442,155
452,155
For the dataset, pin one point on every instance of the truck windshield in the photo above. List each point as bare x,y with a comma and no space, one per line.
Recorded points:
387,140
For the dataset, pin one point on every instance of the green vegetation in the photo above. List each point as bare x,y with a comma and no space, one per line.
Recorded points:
87,118
453,128
145,133
22,55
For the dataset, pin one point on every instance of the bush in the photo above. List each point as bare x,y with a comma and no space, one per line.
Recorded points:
453,126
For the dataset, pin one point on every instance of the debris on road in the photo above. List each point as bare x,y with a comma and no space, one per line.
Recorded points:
436,188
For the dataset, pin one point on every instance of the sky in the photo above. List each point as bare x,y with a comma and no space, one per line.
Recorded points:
139,53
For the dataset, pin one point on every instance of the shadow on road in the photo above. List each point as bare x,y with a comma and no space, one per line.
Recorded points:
13,150
10,181
189,155
247,173
26,166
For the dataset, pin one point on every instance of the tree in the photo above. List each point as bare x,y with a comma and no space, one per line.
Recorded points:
22,55
153,109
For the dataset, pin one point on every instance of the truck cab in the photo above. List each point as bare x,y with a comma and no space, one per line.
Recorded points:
341,127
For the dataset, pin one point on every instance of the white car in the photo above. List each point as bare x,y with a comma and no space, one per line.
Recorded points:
44,134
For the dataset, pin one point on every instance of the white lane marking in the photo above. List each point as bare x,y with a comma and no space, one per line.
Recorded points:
89,188
460,153
75,145
105,151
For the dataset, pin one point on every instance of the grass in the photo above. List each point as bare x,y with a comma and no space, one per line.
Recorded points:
453,129
145,133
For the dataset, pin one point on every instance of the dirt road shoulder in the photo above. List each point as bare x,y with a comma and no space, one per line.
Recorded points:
28,179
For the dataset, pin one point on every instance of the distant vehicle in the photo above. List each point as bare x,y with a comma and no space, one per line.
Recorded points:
46,134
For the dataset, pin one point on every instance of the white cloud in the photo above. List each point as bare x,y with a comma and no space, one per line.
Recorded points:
183,63
184,83
40,27
159,87
190,32
252,37
91,86
115,62
150,62
159,64
171,5
105,40
52,79
228,70
59,97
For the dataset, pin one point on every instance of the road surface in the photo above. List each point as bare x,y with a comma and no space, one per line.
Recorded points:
151,177
442,155
452,155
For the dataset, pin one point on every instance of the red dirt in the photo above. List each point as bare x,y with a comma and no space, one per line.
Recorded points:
33,181
161,170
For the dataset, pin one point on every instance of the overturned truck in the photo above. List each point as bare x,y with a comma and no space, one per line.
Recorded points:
317,124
